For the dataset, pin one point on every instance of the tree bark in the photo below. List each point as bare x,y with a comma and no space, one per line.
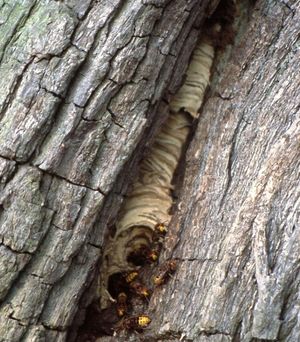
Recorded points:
80,85
80,98
235,231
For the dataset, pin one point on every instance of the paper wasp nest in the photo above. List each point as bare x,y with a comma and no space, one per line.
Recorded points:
150,200
190,95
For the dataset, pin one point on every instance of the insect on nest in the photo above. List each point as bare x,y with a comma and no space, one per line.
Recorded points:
145,216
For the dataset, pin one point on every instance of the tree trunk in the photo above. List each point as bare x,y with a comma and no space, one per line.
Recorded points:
235,231
80,84
84,88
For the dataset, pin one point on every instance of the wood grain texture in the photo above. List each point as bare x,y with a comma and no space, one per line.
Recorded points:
79,88
235,232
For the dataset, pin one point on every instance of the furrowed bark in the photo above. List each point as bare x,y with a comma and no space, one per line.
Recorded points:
235,232
80,87
79,90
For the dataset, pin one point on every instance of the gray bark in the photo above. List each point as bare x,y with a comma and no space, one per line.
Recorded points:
80,90
235,231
